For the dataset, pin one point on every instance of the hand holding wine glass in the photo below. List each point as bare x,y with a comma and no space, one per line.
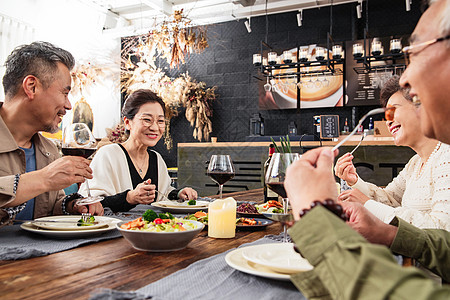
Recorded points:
311,179
221,170
275,177
78,140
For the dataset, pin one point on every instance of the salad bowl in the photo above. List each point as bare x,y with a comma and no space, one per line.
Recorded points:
160,241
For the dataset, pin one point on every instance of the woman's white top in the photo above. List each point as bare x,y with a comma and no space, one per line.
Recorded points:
112,174
420,197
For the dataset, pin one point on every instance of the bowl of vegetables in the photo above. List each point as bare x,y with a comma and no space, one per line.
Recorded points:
159,232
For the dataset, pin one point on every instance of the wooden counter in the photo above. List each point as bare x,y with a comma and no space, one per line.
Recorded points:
369,140
377,160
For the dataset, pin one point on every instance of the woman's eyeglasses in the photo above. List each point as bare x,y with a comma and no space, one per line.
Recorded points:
149,121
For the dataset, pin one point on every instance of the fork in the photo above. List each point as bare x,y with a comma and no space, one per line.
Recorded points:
370,113
357,146
166,197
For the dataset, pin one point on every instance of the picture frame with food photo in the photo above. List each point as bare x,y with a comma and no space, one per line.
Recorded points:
316,89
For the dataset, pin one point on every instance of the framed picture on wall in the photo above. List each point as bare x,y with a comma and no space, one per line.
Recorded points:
316,90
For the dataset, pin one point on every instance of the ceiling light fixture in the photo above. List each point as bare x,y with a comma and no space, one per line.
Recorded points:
408,5
359,9
247,25
299,17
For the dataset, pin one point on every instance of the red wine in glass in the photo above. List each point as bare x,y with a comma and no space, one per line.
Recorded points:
84,152
78,140
221,170
278,187
221,177
275,176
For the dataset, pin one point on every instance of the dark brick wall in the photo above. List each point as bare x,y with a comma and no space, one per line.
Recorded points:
227,63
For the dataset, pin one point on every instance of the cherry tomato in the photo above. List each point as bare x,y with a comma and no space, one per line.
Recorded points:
158,221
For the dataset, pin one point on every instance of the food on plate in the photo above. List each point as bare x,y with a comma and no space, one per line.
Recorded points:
159,225
192,202
89,222
163,222
150,215
272,206
247,222
199,216
247,208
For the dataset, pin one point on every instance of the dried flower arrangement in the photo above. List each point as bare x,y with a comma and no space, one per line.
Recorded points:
172,39
183,91
86,74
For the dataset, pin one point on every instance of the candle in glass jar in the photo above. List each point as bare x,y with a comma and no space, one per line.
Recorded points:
303,55
287,57
376,47
337,51
357,50
319,53
257,59
396,46
222,218
272,58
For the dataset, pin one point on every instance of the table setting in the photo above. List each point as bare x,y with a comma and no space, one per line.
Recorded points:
205,266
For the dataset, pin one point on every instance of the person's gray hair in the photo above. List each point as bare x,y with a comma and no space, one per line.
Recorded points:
38,59
444,20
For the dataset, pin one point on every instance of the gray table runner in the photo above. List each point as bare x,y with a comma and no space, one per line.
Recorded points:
16,243
209,278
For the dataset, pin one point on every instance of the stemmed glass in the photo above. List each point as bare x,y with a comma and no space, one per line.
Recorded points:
78,140
220,169
275,176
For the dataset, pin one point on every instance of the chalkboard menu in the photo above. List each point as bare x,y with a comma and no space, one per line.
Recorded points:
360,90
364,88
329,126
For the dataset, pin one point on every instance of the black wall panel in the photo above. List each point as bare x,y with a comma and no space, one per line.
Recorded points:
227,63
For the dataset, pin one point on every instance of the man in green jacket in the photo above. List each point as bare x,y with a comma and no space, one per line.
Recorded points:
346,266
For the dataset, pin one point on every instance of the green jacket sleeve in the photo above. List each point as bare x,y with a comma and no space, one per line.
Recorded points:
430,247
351,268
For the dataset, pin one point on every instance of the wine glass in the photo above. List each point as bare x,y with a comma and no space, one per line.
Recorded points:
275,175
220,169
78,140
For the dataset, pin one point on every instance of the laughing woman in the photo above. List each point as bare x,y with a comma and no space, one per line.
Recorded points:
420,194
130,173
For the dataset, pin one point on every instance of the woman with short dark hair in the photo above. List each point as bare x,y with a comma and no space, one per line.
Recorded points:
130,173
420,193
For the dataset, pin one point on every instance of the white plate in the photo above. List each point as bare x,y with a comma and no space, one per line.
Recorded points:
181,208
71,234
279,257
67,226
235,260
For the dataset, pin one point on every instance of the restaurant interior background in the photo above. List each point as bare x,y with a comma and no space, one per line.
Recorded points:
81,27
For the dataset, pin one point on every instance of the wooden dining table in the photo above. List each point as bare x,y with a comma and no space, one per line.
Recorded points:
113,264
